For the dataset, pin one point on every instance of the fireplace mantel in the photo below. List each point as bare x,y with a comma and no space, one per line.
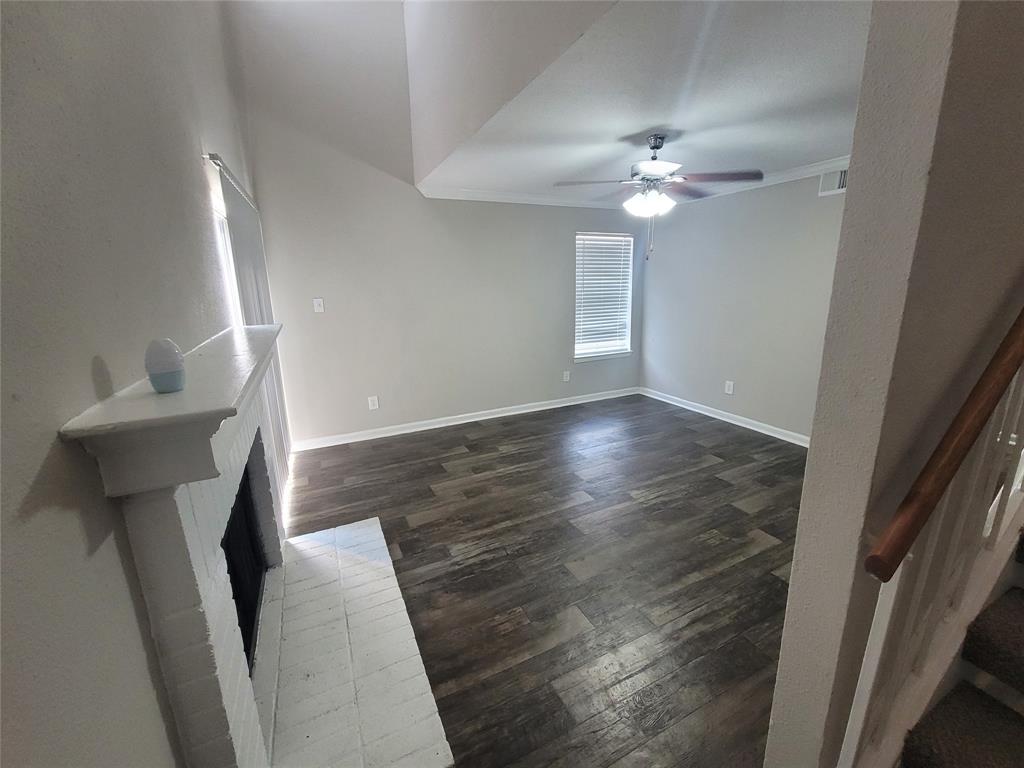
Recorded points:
145,441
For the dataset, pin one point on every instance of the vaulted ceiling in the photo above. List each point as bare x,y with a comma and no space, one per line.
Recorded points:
504,100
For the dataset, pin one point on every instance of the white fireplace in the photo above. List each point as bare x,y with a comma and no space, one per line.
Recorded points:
177,461
337,677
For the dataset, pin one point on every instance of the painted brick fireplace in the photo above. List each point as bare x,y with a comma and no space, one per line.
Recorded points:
178,462
336,677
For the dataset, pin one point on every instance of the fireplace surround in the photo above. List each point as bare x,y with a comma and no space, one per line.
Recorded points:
177,461
336,677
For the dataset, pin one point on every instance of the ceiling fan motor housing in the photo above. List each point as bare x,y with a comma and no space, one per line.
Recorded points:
652,169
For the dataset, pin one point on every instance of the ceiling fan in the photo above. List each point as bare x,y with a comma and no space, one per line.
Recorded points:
657,182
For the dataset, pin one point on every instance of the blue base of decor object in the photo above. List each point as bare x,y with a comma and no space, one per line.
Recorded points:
164,383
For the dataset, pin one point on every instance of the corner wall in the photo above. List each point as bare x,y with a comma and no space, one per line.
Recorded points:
442,307
738,289
929,277
108,242
437,307
424,298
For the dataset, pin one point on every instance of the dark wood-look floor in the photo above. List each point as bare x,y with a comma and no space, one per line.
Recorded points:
597,585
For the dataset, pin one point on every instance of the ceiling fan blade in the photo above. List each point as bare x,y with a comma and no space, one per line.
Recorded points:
688,190
726,176
583,183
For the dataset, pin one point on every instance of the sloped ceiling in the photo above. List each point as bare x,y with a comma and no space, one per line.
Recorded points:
769,85
335,70
467,59
503,100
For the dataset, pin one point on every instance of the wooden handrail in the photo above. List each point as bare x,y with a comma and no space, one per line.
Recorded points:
926,492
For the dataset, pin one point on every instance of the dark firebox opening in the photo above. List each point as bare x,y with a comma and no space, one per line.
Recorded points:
247,564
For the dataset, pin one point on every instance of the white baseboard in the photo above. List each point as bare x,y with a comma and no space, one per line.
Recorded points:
544,405
732,418
450,421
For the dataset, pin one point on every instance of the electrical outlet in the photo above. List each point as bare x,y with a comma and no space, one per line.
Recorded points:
566,375
318,305
728,387
373,402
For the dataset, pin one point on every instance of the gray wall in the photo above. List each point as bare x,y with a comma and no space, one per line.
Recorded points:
108,242
738,288
425,298
437,307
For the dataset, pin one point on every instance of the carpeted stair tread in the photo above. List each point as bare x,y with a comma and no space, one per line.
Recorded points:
995,640
966,728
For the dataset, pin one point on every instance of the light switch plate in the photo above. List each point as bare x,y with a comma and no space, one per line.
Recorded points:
318,305
372,402
729,386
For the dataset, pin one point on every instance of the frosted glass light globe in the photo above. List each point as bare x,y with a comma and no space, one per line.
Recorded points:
649,203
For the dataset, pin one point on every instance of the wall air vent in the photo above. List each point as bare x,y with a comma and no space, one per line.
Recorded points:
833,183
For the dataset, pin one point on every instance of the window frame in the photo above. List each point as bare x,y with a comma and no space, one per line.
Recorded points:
616,352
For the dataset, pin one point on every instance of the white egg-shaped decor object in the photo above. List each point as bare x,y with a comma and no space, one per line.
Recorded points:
165,365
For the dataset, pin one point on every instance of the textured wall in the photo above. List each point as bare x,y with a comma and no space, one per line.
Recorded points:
929,275
738,289
108,241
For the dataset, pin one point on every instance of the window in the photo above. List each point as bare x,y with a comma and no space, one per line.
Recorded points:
604,290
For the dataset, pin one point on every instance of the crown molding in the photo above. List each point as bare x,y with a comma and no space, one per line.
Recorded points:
790,174
437,192
520,198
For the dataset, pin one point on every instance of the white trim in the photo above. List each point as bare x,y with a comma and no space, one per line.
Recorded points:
602,356
919,689
530,198
326,441
741,421
868,679
144,441
450,421
791,174
494,196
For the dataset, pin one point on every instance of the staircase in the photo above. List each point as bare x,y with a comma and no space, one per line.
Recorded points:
948,547
968,727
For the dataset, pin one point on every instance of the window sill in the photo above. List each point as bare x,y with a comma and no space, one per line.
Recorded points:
601,356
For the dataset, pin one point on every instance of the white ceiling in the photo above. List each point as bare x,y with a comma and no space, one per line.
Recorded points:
467,59
769,85
529,94
335,70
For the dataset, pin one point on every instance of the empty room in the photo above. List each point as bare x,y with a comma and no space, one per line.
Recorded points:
488,384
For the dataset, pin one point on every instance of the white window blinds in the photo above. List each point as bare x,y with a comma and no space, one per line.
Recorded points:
604,290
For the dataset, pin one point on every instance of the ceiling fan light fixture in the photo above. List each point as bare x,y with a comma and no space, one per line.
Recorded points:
649,203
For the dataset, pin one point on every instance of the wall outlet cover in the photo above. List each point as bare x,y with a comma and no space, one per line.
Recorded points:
566,375
729,386
318,305
372,402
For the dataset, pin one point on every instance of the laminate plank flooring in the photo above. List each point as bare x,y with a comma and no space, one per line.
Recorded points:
596,585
